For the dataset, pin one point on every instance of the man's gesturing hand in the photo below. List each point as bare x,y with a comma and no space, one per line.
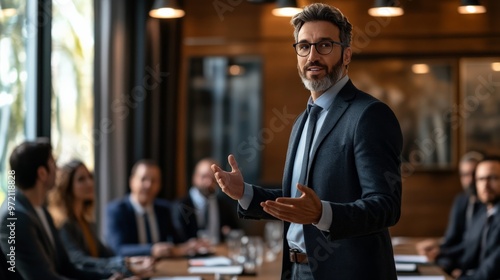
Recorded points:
230,182
306,209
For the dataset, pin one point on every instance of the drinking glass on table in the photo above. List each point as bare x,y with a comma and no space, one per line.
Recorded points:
233,241
255,251
273,234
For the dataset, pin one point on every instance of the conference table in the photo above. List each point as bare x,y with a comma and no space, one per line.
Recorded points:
271,270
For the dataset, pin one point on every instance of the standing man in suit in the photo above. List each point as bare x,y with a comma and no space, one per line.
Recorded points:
140,223
340,196
480,257
205,208
27,231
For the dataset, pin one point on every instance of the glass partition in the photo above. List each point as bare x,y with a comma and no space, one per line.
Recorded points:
224,111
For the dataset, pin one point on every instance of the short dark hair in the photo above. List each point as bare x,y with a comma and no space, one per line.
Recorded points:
26,158
495,158
146,162
323,12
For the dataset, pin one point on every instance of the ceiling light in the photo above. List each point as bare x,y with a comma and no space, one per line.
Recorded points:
385,8
7,8
495,66
420,68
166,9
471,7
286,8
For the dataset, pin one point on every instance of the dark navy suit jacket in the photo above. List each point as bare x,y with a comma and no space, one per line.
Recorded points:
355,166
36,257
452,242
122,235
489,267
185,216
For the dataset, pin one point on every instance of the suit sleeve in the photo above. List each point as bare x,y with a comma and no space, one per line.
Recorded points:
32,262
72,239
456,223
254,210
377,145
489,269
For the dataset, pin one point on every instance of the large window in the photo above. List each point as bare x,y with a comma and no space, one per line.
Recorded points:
72,76
13,79
71,95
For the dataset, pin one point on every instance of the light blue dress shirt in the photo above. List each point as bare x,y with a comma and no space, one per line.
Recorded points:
295,234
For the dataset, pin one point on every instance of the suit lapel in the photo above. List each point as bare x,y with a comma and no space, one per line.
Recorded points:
339,105
335,112
46,243
291,153
474,238
133,231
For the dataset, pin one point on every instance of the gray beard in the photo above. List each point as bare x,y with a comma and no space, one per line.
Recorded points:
321,85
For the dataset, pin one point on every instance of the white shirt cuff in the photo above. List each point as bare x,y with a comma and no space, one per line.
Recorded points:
247,197
326,217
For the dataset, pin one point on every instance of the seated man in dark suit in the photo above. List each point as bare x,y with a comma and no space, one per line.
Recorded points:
463,209
34,248
205,208
480,258
140,224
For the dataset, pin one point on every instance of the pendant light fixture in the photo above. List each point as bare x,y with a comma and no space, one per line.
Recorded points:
166,9
286,8
385,8
471,7
7,8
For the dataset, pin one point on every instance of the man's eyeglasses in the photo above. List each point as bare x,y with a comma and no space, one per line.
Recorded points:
491,178
322,47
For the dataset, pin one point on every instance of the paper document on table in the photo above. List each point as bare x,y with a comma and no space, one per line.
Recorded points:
210,261
177,278
223,270
421,278
406,267
410,259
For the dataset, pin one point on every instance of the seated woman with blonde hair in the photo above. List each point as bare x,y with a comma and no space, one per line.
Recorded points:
71,204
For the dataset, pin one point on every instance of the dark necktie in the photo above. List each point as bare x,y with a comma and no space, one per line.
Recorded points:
148,229
313,111
484,239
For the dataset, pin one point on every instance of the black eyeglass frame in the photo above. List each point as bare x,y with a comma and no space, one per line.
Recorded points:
314,44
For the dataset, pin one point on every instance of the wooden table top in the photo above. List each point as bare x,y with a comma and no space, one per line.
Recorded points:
272,270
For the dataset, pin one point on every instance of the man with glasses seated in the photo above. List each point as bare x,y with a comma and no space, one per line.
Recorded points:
479,258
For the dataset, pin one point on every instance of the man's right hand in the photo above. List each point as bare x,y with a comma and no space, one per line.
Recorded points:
230,182
162,250
141,266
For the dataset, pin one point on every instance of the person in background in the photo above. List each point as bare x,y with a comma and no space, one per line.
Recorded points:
71,204
205,208
341,183
39,252
463,209
479,258
140,224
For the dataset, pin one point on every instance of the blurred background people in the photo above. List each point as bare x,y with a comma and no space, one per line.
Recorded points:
205,211
140,223
463,209
71,204
39,252
480,257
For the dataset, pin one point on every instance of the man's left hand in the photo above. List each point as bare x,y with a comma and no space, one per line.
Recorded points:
306,209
